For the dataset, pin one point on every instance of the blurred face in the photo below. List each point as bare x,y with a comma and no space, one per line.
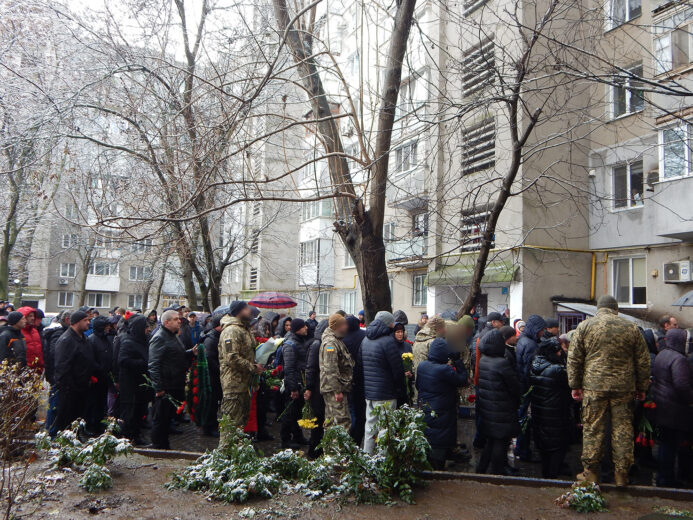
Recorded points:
312,315
553,330
30,319
673,324
496,324
246,314
342,329
192,318
521,328
287,325
21,323
541,333
399,335
440,330
173,324
424,320
302,331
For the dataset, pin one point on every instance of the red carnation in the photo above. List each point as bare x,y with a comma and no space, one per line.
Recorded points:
195,390
471,398
275,388
196,399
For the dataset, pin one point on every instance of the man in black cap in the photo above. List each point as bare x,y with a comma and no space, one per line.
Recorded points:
295,349
12,345
74,368
552,328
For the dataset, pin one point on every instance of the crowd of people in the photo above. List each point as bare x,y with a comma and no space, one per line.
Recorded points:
534,390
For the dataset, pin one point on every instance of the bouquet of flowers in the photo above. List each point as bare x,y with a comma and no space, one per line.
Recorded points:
308,419
645,436
408,362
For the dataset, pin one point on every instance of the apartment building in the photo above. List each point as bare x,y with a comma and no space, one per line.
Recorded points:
640,162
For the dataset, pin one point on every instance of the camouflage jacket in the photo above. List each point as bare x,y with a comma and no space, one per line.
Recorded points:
608,353
336,365
236,355
422,343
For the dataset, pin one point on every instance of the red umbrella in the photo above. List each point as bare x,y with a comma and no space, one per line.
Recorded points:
273,300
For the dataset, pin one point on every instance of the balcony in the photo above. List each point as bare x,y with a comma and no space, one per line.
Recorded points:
407,190
314,275
103,283
405,251
672,208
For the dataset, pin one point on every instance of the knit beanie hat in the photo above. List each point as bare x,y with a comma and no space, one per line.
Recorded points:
77,316
466,321
386,318
236,306
14,317
607,302
297,324
336,320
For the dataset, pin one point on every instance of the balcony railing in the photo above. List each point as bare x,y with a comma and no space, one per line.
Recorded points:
407,190
405,250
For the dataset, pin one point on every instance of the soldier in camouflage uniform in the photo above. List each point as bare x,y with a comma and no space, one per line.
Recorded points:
237,363
608,364
336,372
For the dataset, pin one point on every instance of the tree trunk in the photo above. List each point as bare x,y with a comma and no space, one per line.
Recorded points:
360,230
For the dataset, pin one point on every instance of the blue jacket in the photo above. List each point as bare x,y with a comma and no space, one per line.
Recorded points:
527,346
381,359
437,383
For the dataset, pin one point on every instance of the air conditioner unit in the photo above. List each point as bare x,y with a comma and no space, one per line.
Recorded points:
63,281
677,272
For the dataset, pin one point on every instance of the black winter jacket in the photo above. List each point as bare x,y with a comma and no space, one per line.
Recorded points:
499,390
550,398
383,371
102,346
353,340
210,339
673,383
51,335
313,359
168,361
295,349
437,383
74,362
12,345
527,347
185,334
133,358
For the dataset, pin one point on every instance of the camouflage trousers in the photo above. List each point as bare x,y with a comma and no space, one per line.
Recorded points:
336,414
597,408
235,407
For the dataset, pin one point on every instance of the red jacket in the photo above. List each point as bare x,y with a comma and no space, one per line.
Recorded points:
32,338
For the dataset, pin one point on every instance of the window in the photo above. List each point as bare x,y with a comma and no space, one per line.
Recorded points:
71,211
479,147
405,157
104,241
68,270
473,227
412,95
66,299
139,273
622,11
673,42
629,280
675,156
419,295
69,240
478,66
103,269
316,208
135,301
420,225
323,305
309,252
99,300
628,185
349,302
627,97
141,246
389,232
348,261
472,5
252,285
255,243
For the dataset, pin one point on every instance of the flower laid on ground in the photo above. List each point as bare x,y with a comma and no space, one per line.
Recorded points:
584,497
308,419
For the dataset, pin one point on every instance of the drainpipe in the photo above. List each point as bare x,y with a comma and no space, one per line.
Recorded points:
594,276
